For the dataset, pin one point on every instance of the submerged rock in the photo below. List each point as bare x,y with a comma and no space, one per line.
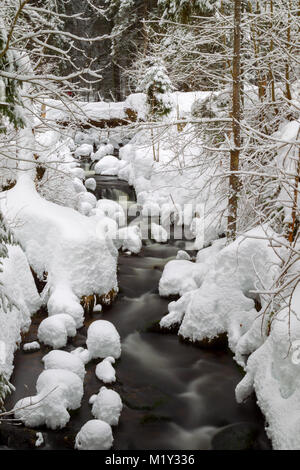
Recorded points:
239,436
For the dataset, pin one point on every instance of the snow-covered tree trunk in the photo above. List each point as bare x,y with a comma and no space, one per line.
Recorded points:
234,182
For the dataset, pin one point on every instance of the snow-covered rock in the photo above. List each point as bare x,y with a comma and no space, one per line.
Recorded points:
18,284
90,183
94,435
79,186
64,360
103,340
33,346
55,330
85,208
109,227
223,302
97,308
183,255
129,238
83,138
105,371
84,150
57,391
78,172
108,165
180,276
87,197
113,210
103,150
107,406
159,233
83,354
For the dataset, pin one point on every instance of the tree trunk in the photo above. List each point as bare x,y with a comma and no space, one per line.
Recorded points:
234,183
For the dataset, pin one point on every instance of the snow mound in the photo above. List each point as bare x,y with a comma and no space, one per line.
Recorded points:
105,371
57,391
159,233
82,353
94,435
129,238
83,138
55,330
87,198
180,276
223,302
108,165
183,255
103,340
33,346
113,210
84,150
78,185
18,285
103,150
62,243
64,360
107,406
90,183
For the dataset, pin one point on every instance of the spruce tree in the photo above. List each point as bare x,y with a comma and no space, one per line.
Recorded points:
182,10
157,85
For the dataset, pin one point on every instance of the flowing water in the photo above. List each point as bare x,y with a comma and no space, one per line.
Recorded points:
175,395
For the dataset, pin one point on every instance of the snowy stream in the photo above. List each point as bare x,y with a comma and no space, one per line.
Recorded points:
175,395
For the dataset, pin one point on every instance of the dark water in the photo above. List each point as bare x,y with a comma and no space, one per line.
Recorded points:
175,395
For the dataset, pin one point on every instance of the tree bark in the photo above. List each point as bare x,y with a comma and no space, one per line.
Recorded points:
234,183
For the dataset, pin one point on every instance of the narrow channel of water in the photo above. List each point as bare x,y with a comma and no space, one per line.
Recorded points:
175,395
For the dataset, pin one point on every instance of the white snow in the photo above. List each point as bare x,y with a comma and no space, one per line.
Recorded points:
94,435
97,308
39,439
57,391
129,238
66,245
158,233
33,346
105,371
56,110
103,150
180,276
18,285
108,165
112,209
103,340
83,354
90,183
84,150
55,330
78,185
183,255
64,360
107,406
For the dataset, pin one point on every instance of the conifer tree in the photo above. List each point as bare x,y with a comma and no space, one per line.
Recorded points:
157,85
